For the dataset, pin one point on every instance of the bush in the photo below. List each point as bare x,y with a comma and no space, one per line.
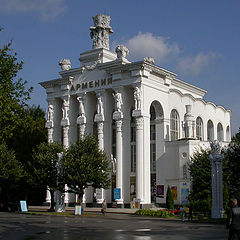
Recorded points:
169,199
158,213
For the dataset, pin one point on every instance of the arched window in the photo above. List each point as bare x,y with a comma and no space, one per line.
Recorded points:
219,132
210,131
228,134
174,125
199,128
152,139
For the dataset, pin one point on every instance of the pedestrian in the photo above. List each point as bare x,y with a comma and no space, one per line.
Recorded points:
233,222
190,217
104,206
182,212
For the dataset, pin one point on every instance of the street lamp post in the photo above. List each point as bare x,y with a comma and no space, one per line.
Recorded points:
216,159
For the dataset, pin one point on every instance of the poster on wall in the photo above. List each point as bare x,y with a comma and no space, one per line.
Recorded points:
116,193
174,192
184,196
160,191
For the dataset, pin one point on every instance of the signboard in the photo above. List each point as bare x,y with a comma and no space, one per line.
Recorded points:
160,191
174,192
23,205
78,210
136,203
184,196
116,193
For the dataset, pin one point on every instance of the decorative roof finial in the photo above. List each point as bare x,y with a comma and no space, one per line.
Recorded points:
101,30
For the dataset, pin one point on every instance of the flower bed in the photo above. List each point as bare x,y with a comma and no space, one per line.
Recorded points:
158,213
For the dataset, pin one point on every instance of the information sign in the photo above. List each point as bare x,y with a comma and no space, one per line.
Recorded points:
23,205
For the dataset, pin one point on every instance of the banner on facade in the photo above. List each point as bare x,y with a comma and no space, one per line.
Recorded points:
116,193
78,210
23,205
184,196
160,191
174,192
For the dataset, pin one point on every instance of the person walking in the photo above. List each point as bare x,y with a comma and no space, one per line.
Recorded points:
182,212
104,207
233,222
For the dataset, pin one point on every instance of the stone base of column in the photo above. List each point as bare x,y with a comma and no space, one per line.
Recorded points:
119,201
100,201
146,205
217,213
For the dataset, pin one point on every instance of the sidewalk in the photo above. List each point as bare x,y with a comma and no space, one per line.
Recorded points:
87,209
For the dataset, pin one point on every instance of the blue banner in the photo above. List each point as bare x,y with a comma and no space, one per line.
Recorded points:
116,193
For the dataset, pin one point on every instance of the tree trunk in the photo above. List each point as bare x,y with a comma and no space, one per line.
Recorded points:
52,201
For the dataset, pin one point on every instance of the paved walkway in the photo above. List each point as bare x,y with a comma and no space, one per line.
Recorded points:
87,209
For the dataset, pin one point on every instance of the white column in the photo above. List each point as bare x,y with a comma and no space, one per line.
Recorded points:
49,125
99,119
118,116
119,167
65,125
139,159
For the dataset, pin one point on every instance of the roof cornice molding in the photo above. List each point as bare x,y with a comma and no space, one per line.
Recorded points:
189,87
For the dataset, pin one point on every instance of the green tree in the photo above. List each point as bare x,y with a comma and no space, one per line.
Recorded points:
10,174
13,92
232,166
45,159
169,199
200,171
85,165
30,132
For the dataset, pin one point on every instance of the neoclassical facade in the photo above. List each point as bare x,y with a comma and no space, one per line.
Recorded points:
147,120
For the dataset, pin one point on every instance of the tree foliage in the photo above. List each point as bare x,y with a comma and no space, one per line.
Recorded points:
232,167
45,160
200,170
10,173
13,93
85,165
169,199
30,132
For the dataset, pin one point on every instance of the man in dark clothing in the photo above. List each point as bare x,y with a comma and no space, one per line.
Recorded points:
233,223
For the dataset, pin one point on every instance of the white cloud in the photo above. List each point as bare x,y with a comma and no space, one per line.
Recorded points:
158,47
194,65
147,45
48,9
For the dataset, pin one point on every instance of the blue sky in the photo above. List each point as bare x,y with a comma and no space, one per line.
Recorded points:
198,40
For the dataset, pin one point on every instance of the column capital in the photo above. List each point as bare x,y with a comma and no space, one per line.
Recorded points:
100,127
139,123
119,125
117,116
65,136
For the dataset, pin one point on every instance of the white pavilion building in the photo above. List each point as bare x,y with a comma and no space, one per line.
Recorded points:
147,120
